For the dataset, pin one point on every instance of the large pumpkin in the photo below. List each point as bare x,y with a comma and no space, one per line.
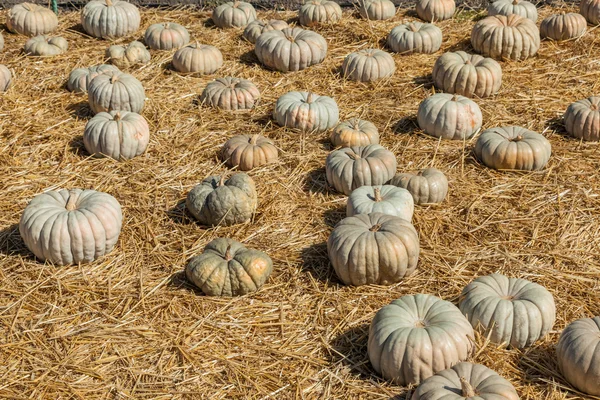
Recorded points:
415,37
417,336
31,19
373,248
582,119
563,26
467,74
248,151
368,65
5,78
110,19
230,94
351,167
306,111
233,14
513,37
166,36
435,10
116,91
507,7
124,57
590,9
290,49
449,116
42,46
386,199
227,268
354,132
198,58
258,27
80,78
426,186
376,9
71,226
314,12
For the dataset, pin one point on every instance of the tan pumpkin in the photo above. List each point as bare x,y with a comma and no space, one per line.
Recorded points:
512,37
563,26
230,94
368,65
467,74
233,14
258,27
427,186
166,36
354,132
31,19
449,116
247,152
43,46
582,119
306,111
376,9
435,10
110,19
116,91
507,7
290,49
415,37
314,12
5,78
80,78
590,9
125,57
197,58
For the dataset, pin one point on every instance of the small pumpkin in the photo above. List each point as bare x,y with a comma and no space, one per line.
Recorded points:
230,94
116,90
578,353
233,14
582,119
386,199
290,49
466,381
124,57
5,78
306,111
110,19
118,134
507,7
224,202
563,26
43,46
513,147
435,10
314,12
351,167
449,116
373,248
467,74
80,78
368,65
354,132
71,226
227,268
247,152
415,37
198,58
166,36
511,311
428,186
590,9
512,37
417,336
31,19
376,9
258,27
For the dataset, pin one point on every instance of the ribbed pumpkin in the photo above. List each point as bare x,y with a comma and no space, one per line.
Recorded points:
435,10
306,111
427,186
449,116
230,94
31,20
354,132
71,226
124,57
110,19
258,27
507,7
118,134
590,9
248,151
417,336
563,26
373,248
368,65
166,36
233,14
351,167
80,78
415,37
376,9
116,91
513,37
467,74
220,201
5,78
386,199
314,12
578,353
43,46
227,268
582,119
513,147
290,49
198,58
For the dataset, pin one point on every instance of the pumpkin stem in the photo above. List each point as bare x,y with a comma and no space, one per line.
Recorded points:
117,116
515,2
356,126
114,78
253,139
353,155
70,206
455,97
228,253
468,62
309,98
467,389
375,228
236,3
593,107
109,3
27,6
518,138
378,197
413,27
197,44
222,180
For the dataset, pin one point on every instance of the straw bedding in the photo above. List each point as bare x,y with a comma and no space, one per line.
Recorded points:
128,326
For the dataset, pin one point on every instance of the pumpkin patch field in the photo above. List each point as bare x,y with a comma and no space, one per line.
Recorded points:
320,208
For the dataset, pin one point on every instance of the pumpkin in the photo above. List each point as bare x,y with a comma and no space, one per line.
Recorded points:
386,199
197,58
31,20
124,57
314,12
42,46
230,94
71,226
590,9
258,27
449,116
417,336
467,74
373,248
513,147
507,7
110,19
435,10
306,111
116,91
563,26
224,202
351,167
376,9
427,186
249,151
415,37
513,37
118,134
227,268
5,78
354,132
511,311
578,353
233,14
290,49
80,78
166,36
582,119
368,65
466,380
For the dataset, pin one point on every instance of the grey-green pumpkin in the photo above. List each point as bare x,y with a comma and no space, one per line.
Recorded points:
306,111
5,78
115,90
449,116
415,37
467,74
427,186
80,78
368,65
127,56
233,14
507,7
385,199
110,19
582,119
